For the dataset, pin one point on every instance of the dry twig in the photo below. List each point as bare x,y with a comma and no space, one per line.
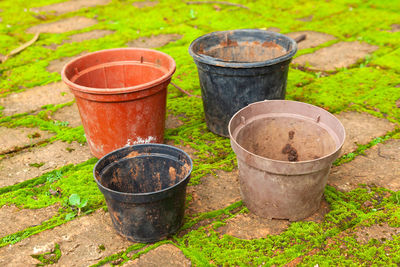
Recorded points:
216,2
184,91
20,48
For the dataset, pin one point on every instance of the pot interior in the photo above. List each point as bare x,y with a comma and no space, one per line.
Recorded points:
245,51
119,74
143,174
286,138
243,46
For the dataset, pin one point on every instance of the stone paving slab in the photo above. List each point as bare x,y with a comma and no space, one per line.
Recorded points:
154,41
69,6
13,219
313,39
34,98
16,169
214,192
65,25
80,37
69,114
251,226
339,55
379,166
12,139
145,4
81,242
166,255
380,232
58,64
362,128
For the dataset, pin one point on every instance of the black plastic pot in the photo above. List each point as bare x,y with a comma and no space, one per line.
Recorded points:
240,67
145,189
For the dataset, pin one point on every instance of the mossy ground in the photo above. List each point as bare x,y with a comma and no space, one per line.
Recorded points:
370,86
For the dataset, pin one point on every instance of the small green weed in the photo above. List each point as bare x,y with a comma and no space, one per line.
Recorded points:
77,205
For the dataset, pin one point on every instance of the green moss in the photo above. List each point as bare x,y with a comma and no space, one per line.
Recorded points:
48,258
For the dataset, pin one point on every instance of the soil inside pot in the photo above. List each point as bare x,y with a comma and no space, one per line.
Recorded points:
286,139
144,174
232,51
118,74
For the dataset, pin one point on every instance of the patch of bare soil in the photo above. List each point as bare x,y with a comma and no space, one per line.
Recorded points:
83,242
172,122
313,39
65,25
34,98
339,55
36,161
319,215
380,166
166,255
69,114
362,128
80,37
69,6
145,4
188,149
154,41
12,139
306,19
250,226
395,28
214,192
58,64
380,232
13,219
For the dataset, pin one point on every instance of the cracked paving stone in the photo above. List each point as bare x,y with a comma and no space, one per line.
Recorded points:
13,219
379,166
339,55
214,193
34,98
12,139
17,169
69,114
313,39
362,128
69,6
166,255
154,41
65,25
81,243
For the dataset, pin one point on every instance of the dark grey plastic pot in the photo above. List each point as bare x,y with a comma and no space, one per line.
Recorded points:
240,67
145,189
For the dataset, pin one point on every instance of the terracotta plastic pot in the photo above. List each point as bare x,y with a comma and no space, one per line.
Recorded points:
240,67
285,150
121,96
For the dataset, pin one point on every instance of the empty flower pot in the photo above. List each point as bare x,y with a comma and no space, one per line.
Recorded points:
240,67
284,150
121,96
145,189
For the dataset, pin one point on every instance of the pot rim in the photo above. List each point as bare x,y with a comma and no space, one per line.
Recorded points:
122,90
220,63
184,180
281,161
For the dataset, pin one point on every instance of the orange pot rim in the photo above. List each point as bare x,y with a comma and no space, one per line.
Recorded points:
171,67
